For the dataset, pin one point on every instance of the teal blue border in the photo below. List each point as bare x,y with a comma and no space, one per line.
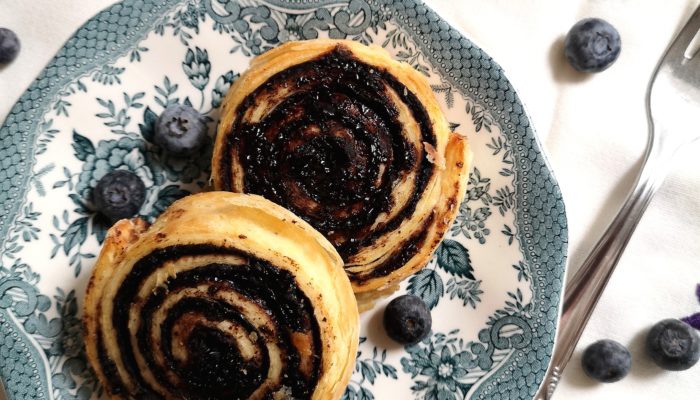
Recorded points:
540,214
540,220
93,45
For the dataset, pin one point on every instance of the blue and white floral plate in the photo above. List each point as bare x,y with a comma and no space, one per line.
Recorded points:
494,285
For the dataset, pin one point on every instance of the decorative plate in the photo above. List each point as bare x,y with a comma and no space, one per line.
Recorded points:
494,285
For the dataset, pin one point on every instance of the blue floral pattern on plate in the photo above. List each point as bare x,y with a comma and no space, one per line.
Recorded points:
493,286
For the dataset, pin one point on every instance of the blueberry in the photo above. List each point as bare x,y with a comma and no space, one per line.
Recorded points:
180,130
119,194
407,319
592,45
673,345
606,361
9,45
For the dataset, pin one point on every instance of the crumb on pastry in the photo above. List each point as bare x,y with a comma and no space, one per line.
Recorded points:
434,156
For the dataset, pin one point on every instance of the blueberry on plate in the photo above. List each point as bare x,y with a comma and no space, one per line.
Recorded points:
606,361
592,45
9,45
119,194
180,130
407,319
673,345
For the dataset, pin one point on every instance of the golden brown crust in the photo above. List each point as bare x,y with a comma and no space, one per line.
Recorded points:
245,224
440,197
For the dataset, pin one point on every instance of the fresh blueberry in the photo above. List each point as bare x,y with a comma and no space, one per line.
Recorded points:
606,361
119,194
180,130
9,45
673,345
407,319
592,45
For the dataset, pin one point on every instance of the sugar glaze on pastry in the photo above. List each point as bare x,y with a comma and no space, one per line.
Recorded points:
225,296
355,144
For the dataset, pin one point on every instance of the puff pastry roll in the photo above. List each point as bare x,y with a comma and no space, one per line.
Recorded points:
225,296
355,144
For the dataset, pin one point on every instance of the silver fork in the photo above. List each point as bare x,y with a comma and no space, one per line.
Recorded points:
673,104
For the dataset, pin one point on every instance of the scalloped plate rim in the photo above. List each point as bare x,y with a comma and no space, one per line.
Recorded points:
302,4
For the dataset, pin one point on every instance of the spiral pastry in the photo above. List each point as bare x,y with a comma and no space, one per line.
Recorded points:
225,296
355,144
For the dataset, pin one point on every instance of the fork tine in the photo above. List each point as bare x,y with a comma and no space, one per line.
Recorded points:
684,37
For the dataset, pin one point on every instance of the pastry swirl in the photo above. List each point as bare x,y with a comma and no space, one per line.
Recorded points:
355,144
225,296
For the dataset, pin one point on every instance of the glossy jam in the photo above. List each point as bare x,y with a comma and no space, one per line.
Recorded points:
331,149
214,368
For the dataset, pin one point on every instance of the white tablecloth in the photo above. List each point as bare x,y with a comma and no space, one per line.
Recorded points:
594,131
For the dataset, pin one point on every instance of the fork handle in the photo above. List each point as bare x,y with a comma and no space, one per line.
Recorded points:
586,286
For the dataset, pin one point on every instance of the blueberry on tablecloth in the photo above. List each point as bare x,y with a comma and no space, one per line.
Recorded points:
673,345
606,361
9,45
592,45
